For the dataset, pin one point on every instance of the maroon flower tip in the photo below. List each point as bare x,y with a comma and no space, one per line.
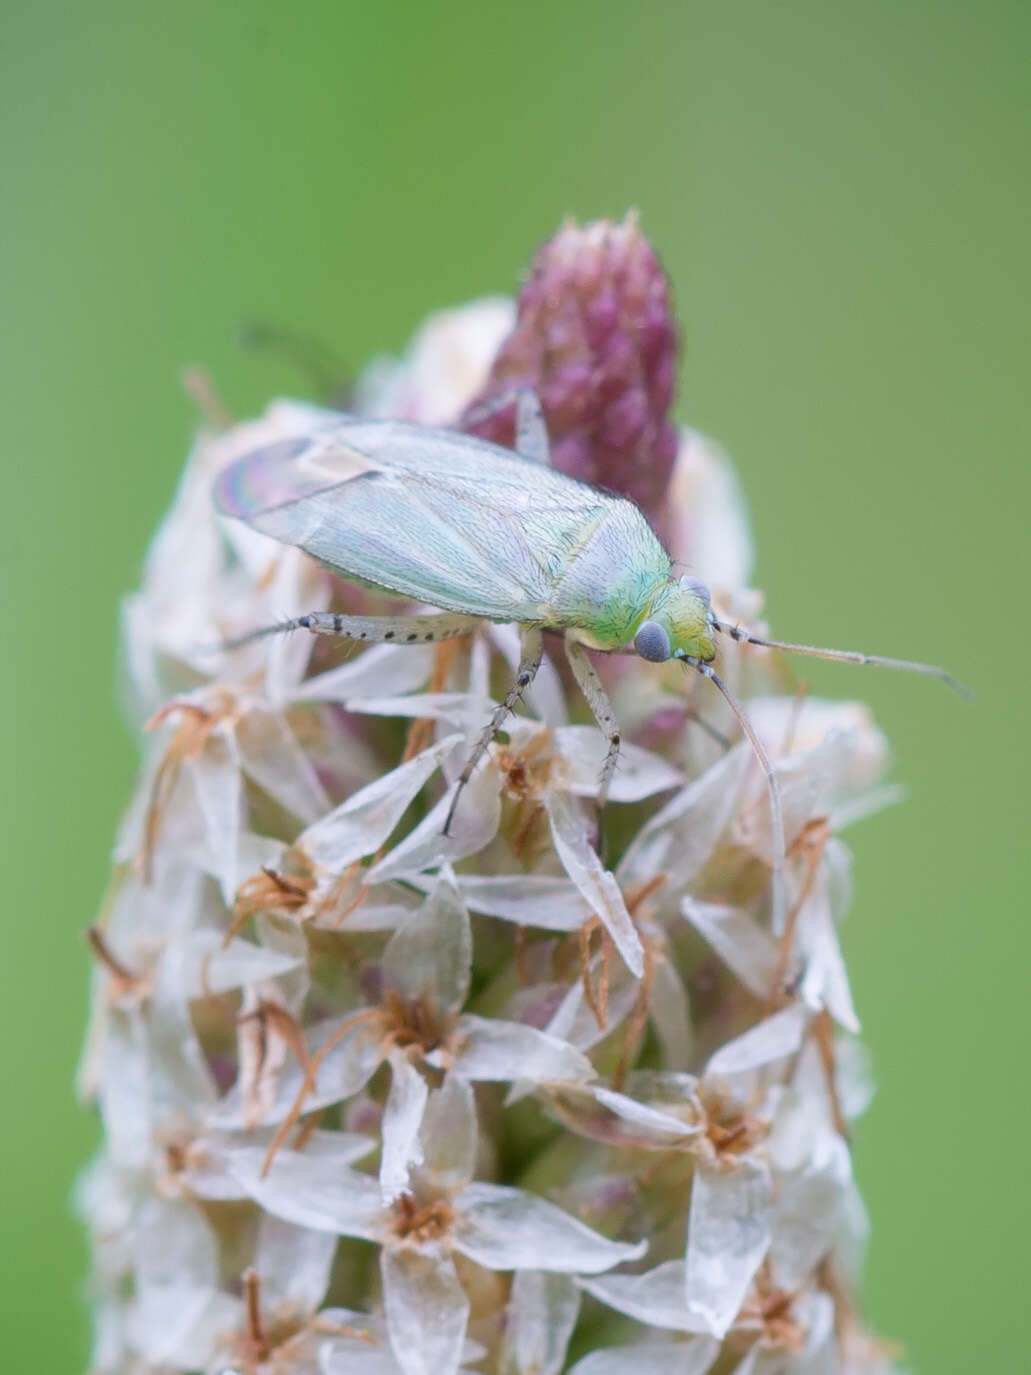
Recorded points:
595,337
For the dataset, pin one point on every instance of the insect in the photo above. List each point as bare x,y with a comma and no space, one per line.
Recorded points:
487,534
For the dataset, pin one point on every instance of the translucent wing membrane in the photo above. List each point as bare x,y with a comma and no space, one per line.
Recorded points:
439,517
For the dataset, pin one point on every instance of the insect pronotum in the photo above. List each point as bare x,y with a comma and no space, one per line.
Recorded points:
487,534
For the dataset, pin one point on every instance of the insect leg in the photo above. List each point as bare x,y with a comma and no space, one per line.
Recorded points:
531,437
601,709
372,629
531,433
529,663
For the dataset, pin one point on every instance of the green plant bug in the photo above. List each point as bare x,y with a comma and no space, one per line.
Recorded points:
484,533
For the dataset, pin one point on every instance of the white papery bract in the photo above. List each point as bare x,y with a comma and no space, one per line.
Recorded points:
442,1212
378,1101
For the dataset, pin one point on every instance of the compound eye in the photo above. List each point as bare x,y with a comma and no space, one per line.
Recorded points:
652,642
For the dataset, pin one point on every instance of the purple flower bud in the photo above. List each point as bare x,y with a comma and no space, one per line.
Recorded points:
596,340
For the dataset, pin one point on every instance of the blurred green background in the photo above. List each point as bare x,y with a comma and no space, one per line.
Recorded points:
840,194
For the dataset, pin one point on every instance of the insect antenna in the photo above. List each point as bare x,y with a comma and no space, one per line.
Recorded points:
280,628
847,656
776,810
308,353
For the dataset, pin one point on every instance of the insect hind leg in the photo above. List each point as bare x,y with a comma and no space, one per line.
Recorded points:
531,431
529,663
531,437
368,629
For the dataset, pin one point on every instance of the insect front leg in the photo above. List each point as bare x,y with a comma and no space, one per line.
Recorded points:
601,709
529,663
408,630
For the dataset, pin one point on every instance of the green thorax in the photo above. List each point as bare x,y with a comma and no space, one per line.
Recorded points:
612,569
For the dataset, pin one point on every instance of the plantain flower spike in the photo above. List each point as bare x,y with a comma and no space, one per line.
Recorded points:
378,1100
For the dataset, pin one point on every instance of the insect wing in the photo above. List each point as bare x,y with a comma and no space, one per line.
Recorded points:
442,518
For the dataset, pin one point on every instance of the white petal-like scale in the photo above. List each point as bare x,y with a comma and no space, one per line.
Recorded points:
575,1021
825,982
444,367
853,1076
153,1076
253,853
426,847
143,917
449,1135
312,1191
180,1072
692,1357
293,1264
484,1048
619,1120
808,785
427,1310
748,950
640,773
728,1235
712,533
346,1069
428,958
271,755
177,1311
542,1312
874,800
580,861
348,1356
769,1040
680,838
509,1229
207,1172
670,1015
180,1327
360,825
807,1211
448,708
655,1297
170,617
821,1355
296,582
216,968
372,915
174,1246
402,1118
379,671
124,1091
218,788
555,904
